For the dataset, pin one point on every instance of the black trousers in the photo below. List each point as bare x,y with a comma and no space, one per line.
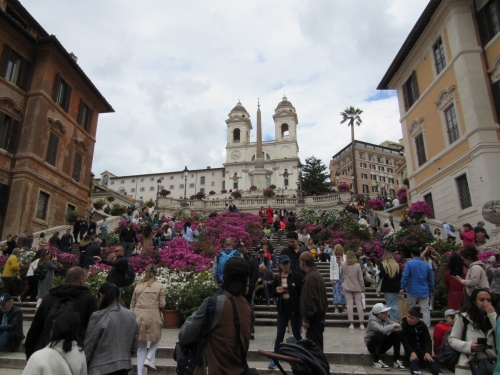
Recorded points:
315,332
12,285
33,288
380,343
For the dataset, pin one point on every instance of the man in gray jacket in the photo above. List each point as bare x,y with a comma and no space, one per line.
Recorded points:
381,335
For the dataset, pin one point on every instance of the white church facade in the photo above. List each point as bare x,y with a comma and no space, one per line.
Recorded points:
280,162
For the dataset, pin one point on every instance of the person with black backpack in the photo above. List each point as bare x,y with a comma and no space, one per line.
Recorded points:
122,274
72,295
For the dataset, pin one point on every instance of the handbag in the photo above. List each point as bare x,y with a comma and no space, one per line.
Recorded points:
247,370
483,366
189,356
447,355
403,307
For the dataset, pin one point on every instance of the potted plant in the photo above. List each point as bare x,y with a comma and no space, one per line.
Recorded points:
268,193
150,203
99,204
71,217
164,192
375,204
200,195
118,210
223,191
211,192
110,198
420,209
236,194
253,188
272,186
402,195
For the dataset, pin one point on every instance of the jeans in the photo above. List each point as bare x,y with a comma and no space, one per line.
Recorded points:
263,291
143,353
284,316
392,300
6,339
273,258
128,247
380,343
423,302
415,365
315,332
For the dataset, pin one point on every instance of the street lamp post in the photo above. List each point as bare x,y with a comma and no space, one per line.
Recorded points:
301,197
157,207
337,178
186,173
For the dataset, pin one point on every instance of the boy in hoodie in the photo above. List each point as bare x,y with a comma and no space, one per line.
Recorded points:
381,335
417,343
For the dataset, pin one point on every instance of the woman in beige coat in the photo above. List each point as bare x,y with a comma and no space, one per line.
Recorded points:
354,287
147,302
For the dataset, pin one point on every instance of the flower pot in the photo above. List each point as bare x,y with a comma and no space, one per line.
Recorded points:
172,318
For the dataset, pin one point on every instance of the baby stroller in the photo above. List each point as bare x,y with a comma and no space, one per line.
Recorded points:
304,356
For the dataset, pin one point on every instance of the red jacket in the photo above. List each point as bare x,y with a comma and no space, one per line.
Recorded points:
438,336
455,288
468,238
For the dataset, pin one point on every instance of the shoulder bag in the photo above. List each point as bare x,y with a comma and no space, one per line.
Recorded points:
483,366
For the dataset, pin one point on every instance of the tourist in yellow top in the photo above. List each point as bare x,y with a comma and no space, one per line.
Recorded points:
10,276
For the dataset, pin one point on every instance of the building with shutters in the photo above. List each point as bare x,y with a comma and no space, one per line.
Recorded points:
48,121
447,77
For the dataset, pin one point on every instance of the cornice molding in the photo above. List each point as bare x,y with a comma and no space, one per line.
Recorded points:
416,126
57,127
494,71
446,97
9,106
81,146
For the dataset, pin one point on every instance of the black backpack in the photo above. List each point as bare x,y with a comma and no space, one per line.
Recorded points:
39,273
61,306
447,355
129,277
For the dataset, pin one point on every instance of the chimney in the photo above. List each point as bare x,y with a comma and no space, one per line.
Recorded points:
73,56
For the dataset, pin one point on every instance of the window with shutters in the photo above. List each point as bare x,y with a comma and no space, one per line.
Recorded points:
4,198
488,20
451,124
366,189
77,166
62,93
463,191
390,180
14,68
439,58
375,189
51,155
382,178
41,207
495,92
420,148
223,184
85,116
191,186
181,186
381,168
9,130
142,189
373,177
410,91
364,176
428,200
171,187
363,165
202,180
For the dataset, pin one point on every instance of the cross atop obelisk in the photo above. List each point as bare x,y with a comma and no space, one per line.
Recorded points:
259,160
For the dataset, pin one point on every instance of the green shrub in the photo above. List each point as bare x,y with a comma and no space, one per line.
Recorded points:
118,210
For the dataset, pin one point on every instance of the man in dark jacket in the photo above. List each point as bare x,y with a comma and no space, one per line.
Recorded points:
293,251
128,239
73,287
119,264
93,250
11,323
286,288
313,300
92,227
67,241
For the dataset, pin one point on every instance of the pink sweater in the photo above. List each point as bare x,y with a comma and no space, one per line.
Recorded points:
468,238
352,278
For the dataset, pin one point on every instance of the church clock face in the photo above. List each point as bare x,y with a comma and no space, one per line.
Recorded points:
285,151
235,155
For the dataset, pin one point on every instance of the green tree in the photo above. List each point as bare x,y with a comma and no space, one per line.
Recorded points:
314,177
352,116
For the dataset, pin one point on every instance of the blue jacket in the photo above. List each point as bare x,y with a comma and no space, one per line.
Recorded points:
418,278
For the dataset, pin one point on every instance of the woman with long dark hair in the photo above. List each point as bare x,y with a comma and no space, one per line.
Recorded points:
478,319
187,232
48,264
64,354
454,287
147,237
112,335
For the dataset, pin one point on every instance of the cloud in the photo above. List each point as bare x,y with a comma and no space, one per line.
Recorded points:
173,71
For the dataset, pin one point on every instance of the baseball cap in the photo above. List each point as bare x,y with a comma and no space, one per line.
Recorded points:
4,298
449,312
284,258
380,308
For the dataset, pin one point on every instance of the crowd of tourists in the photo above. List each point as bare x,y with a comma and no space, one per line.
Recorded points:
74,332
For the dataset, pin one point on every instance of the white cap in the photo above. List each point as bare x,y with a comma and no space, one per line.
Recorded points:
380,308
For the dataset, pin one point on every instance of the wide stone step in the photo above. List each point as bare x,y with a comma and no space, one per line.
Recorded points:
341,363
329,322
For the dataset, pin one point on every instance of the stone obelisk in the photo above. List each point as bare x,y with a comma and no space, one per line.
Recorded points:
259,173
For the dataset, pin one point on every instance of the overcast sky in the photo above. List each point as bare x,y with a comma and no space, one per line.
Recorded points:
173,70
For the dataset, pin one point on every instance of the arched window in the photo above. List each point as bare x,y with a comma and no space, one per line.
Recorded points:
285,131
105,180
236,135
266,156
202,180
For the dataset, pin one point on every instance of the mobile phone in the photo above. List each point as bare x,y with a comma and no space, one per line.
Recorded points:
482,340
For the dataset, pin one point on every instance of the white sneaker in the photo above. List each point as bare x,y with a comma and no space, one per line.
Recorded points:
361,326
351,326
150,365
398,365
381,365
336,311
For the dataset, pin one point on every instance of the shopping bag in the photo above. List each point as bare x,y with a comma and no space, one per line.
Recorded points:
403,307
363,300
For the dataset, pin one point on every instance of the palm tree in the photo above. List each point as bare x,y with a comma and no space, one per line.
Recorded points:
352,116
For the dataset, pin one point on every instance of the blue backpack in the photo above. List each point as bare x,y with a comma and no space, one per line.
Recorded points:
223,258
